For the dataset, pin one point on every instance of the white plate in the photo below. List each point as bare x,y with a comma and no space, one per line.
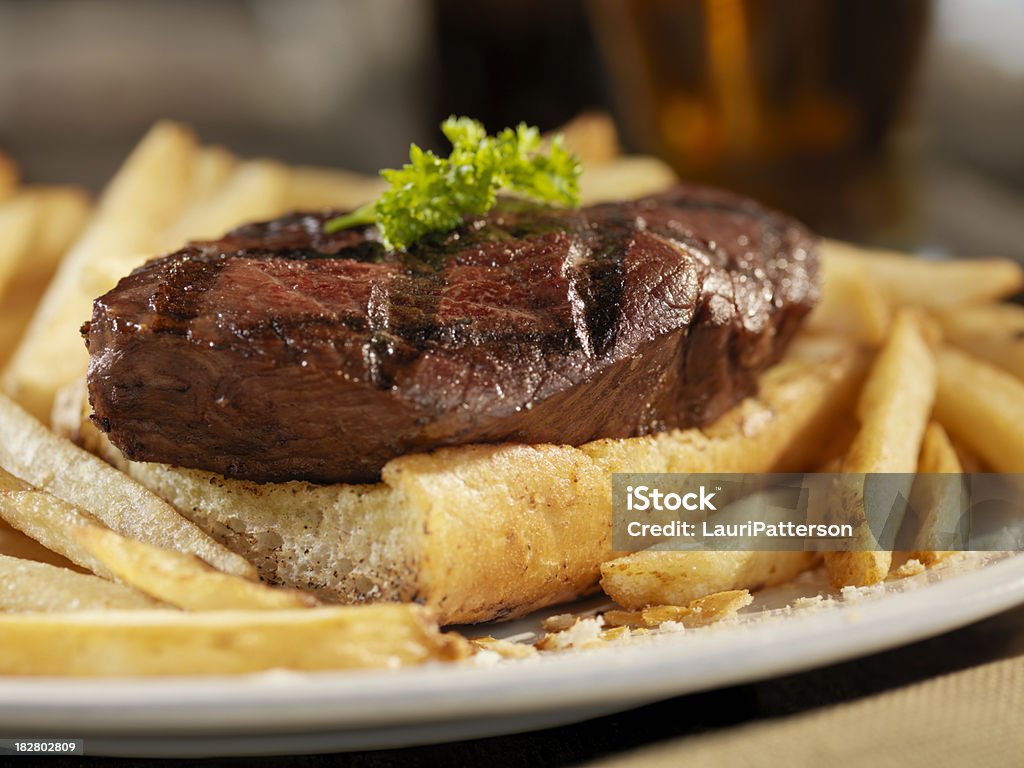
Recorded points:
287,713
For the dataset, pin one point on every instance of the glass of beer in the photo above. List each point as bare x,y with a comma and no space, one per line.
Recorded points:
791,101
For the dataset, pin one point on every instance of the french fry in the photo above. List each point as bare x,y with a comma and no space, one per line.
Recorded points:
19,219
256,189
14,543
894,405
850,305
151,643
36,456
26,585
940,511
938,456
983,407
60,213
63,214
49,521
15,313
312,189
994,332
969,460
145,196
211,168
655,577
592,137
893,411
8,176
930,283
627,177
182,580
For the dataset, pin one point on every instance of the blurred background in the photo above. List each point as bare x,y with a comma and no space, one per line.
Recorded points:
897,122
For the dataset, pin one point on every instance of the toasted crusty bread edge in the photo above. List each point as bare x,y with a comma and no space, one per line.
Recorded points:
484,532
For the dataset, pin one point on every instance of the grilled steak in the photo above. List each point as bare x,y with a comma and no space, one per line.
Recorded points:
280,353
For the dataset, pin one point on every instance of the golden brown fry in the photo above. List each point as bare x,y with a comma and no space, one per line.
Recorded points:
655,577
145,196
171,577
894,405
935,284
63,214
937,452
128,643
182,580
26,585
313,189
627,177
851,304
19,219
893,411
8,176
15,314
211,168
940,511
255,190
59,215
969,460
14,543
592,137
993,332
48,520
982,406
55,465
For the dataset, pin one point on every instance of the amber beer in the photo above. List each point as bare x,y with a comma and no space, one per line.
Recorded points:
792,101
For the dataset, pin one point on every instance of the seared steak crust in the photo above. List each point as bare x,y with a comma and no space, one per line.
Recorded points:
280,353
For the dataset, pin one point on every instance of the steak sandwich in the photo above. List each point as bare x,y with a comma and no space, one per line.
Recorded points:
429,424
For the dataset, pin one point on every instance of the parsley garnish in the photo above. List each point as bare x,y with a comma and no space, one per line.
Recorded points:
432,194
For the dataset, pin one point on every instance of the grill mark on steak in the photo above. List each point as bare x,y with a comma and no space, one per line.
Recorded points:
179,297
600,289
279,352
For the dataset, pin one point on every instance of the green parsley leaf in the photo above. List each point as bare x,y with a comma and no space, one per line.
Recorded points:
432,194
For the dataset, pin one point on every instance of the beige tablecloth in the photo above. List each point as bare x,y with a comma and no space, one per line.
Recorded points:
973,717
